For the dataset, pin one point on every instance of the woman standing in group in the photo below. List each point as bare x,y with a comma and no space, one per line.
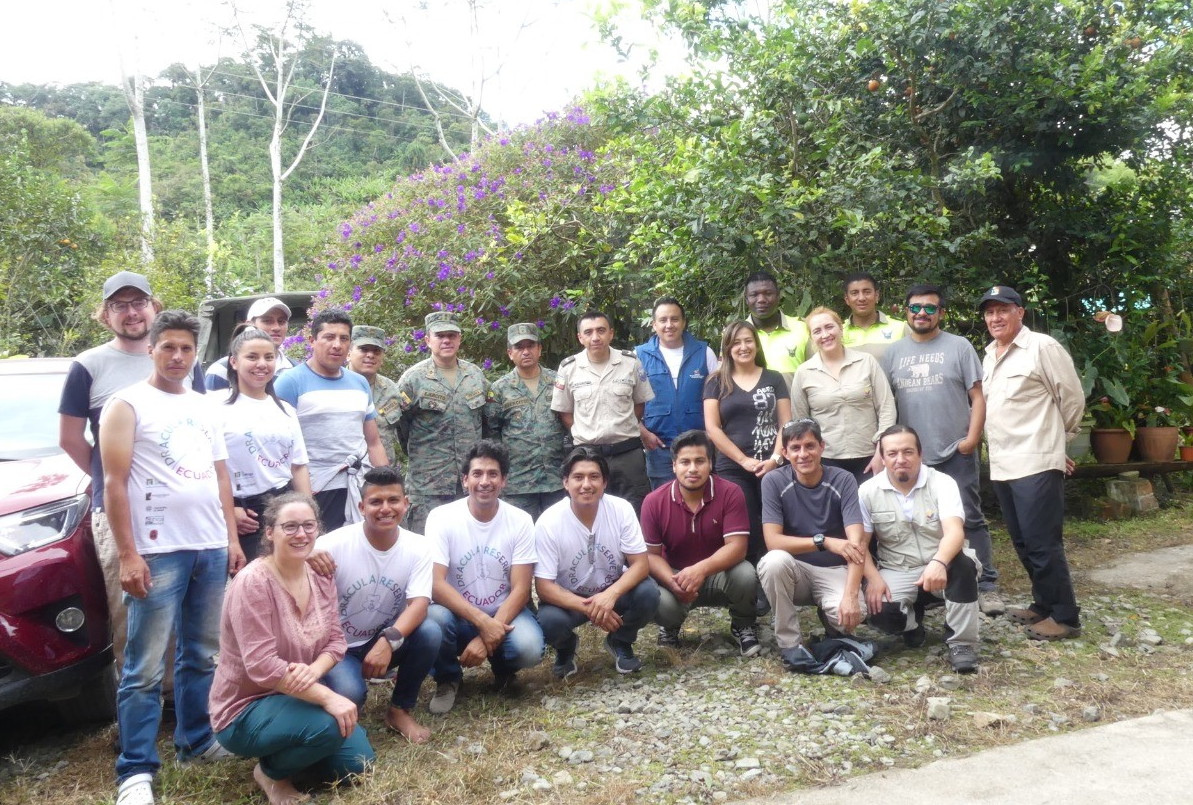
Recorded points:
676,364
266,453
279,635
745,405
847,393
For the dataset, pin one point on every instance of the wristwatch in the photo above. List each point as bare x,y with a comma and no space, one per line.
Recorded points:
818,541
393,637
777,458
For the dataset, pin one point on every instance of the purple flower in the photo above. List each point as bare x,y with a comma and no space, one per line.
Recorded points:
487,363
345,230
436,306
332,266
540,324
568,305
409,347
356,293
324,293
489,275
495,325
555,301
419,335
480,321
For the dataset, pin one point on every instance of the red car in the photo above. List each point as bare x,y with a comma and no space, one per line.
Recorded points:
54,635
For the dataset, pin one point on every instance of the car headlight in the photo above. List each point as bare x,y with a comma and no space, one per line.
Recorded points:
25,530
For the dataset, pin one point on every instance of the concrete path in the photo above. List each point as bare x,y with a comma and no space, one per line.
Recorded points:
1164,570
1144,760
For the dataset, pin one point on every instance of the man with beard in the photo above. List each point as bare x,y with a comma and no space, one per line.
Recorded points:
915,514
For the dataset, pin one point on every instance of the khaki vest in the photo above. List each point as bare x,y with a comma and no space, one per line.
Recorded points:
905,544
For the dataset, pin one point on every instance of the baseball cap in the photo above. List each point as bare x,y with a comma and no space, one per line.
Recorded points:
442,322
1001,293
126,279
523,331
263,306
364,335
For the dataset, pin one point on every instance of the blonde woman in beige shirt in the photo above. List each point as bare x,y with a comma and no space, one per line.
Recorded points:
847,393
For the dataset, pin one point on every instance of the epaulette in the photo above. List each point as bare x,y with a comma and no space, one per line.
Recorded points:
570,359
629,353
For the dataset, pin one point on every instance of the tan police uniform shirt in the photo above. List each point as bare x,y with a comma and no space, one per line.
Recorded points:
601,405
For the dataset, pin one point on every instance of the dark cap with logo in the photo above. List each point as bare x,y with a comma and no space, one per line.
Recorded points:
523,331
364,335
1001,293
126,279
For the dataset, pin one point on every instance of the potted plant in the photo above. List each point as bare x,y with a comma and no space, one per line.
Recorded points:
1114,428
1186,446
1156,434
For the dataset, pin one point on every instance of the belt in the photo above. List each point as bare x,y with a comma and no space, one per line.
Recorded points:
617,448
259,501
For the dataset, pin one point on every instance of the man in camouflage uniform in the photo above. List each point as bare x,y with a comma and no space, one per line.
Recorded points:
368,353
442,400
519,413
600,396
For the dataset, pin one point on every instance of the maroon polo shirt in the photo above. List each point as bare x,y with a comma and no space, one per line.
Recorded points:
689,537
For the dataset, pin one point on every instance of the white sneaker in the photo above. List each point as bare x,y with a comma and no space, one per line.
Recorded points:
445,697
214,753
136,790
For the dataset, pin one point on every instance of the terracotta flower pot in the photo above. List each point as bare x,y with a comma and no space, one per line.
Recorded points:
1186,452
1157,444
1110,445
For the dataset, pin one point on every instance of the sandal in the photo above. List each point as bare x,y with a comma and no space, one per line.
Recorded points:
136,790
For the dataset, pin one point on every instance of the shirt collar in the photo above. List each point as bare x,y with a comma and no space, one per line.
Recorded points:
709,492
884,480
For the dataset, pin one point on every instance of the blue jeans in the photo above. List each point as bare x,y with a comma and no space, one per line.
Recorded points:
636,608
185,598
290,736
521,648
413,659
658,467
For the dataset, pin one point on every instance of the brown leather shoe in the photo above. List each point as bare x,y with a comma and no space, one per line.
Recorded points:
1023,617
1048,629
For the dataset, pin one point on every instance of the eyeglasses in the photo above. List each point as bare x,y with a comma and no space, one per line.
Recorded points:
124,307
931,310
290,529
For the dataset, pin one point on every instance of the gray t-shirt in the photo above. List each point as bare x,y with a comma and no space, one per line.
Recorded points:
931,381
804,511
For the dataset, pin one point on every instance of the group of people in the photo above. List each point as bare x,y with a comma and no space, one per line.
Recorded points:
816,462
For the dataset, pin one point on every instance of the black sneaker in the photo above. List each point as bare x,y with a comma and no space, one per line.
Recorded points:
507,685
761,604
747,640
669,636
891,619
565,657
831,632
622,653
963,658
914,638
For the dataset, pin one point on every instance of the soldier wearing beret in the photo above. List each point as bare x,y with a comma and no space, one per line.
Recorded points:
442,400
519,413
366,357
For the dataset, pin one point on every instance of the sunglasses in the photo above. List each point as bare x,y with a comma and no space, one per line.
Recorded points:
931,310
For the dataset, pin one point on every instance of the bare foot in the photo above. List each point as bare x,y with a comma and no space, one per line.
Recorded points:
401,721
278,792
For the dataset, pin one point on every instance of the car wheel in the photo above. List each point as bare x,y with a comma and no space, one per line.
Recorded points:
96,700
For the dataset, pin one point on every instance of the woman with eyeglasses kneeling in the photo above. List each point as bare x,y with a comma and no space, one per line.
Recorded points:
279,635
847,393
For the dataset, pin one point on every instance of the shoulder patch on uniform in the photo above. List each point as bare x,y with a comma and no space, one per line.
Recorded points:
570,359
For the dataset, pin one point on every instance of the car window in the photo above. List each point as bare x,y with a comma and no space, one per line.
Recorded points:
29,415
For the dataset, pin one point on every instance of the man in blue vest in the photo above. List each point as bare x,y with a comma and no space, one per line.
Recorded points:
676,364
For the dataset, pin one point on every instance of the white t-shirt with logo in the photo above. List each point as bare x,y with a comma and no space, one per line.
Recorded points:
582,561
263,440
374,586
173,493
479,557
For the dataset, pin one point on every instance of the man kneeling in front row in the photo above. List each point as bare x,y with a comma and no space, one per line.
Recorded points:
916,514
813,528
700,521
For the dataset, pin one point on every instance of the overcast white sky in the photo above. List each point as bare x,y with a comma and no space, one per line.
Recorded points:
547,50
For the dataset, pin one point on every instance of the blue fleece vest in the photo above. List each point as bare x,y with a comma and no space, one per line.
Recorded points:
675,410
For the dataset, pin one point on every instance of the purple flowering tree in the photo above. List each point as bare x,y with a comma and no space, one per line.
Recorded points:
519,230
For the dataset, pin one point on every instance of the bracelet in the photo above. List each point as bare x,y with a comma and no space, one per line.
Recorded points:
942,564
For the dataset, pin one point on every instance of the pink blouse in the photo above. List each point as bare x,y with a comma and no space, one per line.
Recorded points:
262,632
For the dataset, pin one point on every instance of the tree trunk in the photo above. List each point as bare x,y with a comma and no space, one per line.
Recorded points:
205,170
136,102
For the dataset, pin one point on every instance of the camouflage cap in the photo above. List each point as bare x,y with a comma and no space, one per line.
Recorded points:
364,335
523,331
442,322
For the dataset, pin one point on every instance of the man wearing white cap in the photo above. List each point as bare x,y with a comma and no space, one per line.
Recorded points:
128,310
270,315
